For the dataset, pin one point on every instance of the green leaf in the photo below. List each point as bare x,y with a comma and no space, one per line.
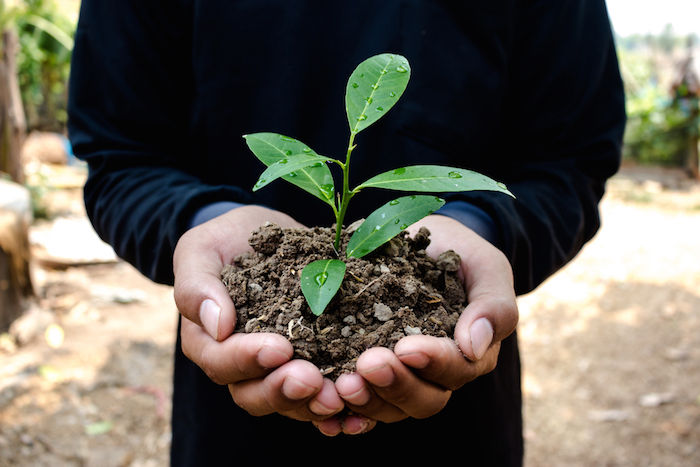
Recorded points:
320,281
434,178
272,147
293,164
389,220
373,88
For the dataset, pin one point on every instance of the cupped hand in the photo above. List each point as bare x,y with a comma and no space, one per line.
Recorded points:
258,368
418,377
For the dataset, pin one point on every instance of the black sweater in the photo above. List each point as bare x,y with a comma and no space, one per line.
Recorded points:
525,91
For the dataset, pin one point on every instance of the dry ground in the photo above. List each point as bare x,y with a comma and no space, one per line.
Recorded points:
610,345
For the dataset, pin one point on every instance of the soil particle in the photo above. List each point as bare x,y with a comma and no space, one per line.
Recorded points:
394,292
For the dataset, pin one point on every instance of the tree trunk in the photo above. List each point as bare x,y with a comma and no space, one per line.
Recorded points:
13,125
16,288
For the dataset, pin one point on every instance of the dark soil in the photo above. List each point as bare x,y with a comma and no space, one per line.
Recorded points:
394,292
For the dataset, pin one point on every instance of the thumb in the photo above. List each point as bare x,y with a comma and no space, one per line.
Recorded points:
199,293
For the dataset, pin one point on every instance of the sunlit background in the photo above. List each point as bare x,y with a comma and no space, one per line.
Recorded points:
610,345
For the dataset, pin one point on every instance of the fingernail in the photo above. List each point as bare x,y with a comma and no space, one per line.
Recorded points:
319,409
481,333
269,357
296,390
209,313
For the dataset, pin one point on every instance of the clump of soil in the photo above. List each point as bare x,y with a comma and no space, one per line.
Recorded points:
394,292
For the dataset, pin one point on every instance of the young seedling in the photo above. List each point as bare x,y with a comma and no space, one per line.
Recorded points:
373,88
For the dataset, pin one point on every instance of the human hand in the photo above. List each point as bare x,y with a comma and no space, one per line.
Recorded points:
418,377
258,368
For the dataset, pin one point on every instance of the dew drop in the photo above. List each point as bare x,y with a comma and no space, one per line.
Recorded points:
400,171
501,185
327,190
283,161
321,278
404,226
288,152
375,86
292,174
383,215
317,164
393,202
377,228
383,72
306,150
401,69
397,221
369,100
355,85
362,117
287,139
392,94
380,109
454,175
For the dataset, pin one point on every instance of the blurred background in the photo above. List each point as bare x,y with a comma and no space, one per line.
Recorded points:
610,345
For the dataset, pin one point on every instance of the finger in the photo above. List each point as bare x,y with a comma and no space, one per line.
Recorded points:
327,402
440,361
397,386
349,424
361,398
240,357
287,390
199,293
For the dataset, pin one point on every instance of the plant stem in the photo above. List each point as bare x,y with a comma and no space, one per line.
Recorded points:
347,193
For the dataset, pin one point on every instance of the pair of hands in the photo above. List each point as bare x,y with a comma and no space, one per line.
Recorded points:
415,380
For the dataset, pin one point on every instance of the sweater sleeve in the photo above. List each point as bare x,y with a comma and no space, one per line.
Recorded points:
564,121
130,104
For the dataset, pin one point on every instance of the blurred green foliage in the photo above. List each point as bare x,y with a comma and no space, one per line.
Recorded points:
659,127
43,62
661,124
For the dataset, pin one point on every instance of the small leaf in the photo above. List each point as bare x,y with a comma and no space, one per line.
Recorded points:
320,281
373,88
434,178
272,147
290,164
389,220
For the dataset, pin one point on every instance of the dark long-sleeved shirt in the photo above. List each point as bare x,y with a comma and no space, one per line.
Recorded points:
525,91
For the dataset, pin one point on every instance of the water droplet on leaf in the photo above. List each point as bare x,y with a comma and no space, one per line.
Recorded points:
393,202
355,85
392,94
404,226
401,69
400,171
327,190
501,185
369,100
380,109
321,278
454,175
375,86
